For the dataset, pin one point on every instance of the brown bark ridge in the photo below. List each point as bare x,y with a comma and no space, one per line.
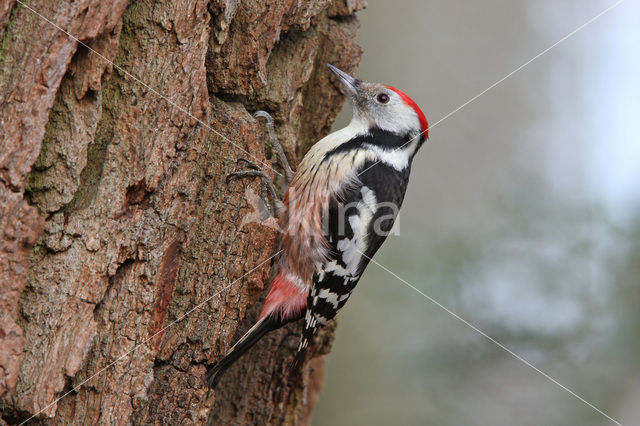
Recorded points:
125,266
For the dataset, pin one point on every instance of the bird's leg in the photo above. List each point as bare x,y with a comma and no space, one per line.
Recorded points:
276,146
254,170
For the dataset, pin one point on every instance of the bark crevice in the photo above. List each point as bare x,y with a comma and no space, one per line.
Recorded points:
116,219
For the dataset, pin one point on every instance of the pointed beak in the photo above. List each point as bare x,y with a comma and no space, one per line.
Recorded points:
350,83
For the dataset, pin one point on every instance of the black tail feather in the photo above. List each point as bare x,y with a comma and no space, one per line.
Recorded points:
250,338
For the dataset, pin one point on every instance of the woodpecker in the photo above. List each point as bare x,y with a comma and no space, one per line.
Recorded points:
337,211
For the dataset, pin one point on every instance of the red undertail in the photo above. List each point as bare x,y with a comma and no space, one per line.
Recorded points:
286,299
285,302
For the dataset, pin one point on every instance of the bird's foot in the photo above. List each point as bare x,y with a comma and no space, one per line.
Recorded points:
276,146
268,189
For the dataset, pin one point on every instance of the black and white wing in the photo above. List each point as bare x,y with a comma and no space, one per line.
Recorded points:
355,226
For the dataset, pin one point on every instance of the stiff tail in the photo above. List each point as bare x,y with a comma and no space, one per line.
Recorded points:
250,338
284,303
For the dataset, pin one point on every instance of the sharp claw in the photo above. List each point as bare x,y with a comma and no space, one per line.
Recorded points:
265,115
247,173
249,163
270,128
229,177
267,185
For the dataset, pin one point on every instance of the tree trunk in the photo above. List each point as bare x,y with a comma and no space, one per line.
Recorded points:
126,266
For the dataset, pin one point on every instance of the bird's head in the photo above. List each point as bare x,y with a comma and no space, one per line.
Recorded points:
383,107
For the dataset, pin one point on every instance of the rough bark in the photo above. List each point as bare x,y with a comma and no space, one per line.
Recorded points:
123,253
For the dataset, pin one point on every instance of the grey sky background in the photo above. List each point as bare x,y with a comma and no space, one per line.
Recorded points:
522,216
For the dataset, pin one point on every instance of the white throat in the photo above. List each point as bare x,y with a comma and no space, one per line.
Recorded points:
398,158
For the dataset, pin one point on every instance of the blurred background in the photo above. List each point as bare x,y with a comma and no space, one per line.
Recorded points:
522,216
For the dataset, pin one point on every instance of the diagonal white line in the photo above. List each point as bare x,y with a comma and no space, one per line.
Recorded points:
491,339
172,103
183,110
608,9
76,388
151,89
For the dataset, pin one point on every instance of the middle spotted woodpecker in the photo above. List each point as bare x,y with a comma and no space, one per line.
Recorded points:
338,209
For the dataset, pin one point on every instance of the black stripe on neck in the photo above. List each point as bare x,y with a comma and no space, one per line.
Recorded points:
378,137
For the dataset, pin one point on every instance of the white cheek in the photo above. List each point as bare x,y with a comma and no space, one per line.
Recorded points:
399,119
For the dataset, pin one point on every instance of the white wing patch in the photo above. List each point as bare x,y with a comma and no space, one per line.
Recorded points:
331,297
352,248
396,158
333,267
325,301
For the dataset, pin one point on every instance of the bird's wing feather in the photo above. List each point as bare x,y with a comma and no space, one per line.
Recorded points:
356,224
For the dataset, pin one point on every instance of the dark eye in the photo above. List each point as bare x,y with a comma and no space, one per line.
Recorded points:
383,98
